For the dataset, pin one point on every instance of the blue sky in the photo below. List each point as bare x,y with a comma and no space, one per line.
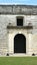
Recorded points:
28,2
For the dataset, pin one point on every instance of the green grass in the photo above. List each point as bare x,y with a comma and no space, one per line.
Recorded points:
18,60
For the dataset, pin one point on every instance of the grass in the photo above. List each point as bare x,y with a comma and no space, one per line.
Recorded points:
18,60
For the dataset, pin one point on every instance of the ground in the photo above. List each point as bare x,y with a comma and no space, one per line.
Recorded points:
18,60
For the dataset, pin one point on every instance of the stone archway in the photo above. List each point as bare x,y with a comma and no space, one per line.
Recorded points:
19,43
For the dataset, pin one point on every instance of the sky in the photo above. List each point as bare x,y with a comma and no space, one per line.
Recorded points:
27,2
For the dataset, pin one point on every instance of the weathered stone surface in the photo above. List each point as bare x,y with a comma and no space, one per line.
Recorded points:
8,15
18,9
6,19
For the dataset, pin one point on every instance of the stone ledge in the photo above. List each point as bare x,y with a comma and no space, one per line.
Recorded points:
19,27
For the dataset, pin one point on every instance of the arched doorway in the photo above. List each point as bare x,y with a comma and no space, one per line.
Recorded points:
19,43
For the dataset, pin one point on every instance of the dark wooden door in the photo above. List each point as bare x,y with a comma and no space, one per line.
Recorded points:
19,44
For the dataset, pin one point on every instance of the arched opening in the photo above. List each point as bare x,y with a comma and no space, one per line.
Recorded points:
19,43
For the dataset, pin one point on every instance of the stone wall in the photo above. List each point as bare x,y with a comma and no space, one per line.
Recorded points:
6,19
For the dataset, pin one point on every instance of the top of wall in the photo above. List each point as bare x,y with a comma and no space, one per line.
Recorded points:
18,9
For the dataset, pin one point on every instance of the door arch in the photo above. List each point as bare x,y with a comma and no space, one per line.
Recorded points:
19,43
